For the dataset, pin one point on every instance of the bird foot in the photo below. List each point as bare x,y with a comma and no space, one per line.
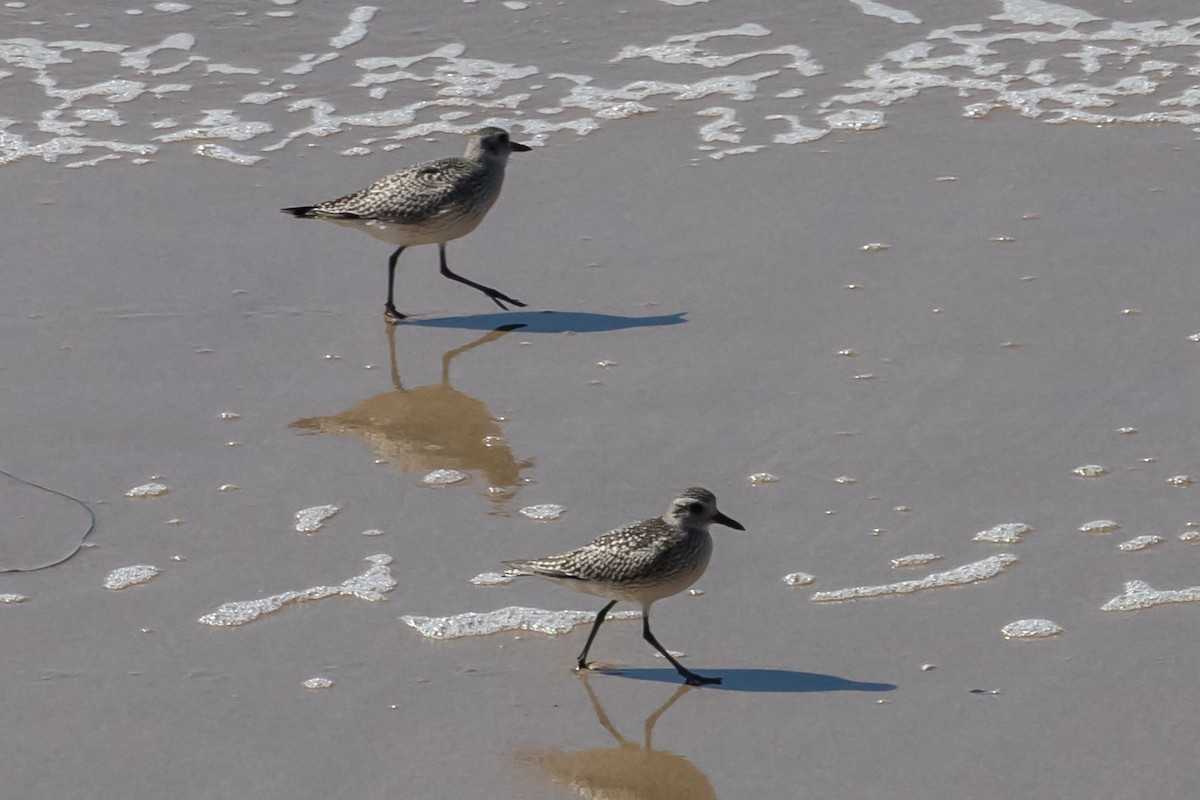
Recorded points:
392,315
497,297
692,679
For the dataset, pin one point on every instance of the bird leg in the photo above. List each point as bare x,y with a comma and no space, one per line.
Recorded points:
489,291
691,678
582,661
390,308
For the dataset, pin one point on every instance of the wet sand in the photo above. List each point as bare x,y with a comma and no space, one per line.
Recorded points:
1020,316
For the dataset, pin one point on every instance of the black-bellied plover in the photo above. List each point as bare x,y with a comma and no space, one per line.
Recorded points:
641,563
429,203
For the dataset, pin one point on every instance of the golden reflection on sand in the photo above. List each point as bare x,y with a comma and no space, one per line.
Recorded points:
430,427
630,771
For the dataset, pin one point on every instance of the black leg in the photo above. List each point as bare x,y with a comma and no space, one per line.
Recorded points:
690,677
592,636
489,291
391,306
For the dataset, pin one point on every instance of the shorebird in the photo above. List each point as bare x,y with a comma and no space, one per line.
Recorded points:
428,203
640,563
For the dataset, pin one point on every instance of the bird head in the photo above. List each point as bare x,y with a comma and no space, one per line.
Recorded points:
697,508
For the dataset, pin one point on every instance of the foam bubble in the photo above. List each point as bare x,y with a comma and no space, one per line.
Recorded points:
798,579
896,15
222,153
1004,533
1140,543
1090,471
371,586
152,489
1098,526
1038,12
1031,629
9,597
493,579
311,520
317,683
959,576
1139,595
356,30
124,577
544,512
510,618
444,477
915,560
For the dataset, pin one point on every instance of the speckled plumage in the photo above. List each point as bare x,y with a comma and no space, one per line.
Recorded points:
642,562
429,203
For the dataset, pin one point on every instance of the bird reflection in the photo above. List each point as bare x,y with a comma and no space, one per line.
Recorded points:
631,771
431,427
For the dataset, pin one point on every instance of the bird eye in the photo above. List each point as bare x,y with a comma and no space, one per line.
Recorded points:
695,508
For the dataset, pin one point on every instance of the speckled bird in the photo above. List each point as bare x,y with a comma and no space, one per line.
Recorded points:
640,563
429,203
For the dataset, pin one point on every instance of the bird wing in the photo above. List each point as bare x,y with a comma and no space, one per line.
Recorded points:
630,550
410,196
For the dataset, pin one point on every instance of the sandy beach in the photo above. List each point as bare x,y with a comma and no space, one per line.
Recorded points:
882,277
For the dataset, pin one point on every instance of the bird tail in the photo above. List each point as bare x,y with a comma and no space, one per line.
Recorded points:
300,211
516,569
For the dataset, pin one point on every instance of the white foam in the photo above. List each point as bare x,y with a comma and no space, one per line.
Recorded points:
1037,12
356,30
1139,595
1035,58
262,98
221,123
544,512
222,153
1140,543
311,520
11,598
308,62
798,579
874,9
124,577
371,586
855,119
798,132
915,560
317,683
1031,629
724,129
1004,533
152,489
493,579
510,618
444,477
1098,526
959,576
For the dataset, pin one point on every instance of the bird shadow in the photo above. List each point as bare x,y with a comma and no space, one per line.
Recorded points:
547,322
778,681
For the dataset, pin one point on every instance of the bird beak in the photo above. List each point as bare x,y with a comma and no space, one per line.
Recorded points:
721,519
517,147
